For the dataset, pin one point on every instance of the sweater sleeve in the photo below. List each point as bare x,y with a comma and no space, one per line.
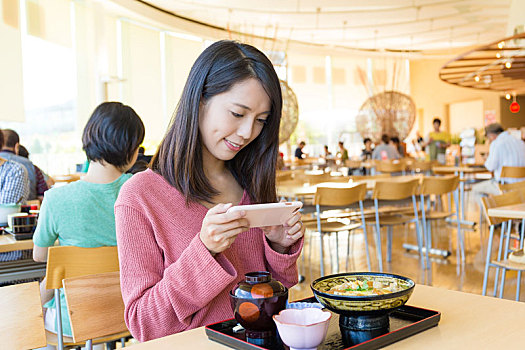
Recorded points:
161,300
283,267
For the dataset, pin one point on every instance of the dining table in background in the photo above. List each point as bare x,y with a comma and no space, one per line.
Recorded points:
468,321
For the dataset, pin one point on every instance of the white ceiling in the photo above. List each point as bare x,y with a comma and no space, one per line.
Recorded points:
415,25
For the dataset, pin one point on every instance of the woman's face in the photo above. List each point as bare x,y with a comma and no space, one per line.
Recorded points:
231,120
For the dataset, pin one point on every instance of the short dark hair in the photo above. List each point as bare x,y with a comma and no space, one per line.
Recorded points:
366,140
1,139
179,157
112,134
395,139
141,150
11,138
341,143
385,138
23,152
302,143
494,128
436,120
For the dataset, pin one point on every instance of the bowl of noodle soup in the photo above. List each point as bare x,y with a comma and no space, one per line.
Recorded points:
362,293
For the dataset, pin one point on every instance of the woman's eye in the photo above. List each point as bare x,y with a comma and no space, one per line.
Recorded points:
262,121
236,115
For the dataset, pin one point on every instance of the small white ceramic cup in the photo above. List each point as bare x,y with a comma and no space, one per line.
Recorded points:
302,329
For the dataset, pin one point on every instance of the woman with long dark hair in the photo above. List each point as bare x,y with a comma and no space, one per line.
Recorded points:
180,251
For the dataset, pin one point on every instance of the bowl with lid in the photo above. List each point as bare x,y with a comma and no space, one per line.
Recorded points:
256,299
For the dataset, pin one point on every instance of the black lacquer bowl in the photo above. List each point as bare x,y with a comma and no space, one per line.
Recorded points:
362,312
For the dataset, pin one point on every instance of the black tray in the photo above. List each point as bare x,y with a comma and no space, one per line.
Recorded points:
19,236
404,322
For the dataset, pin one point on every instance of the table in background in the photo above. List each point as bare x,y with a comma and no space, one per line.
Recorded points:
468,321
18,269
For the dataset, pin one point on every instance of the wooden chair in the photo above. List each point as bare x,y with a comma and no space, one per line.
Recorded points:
420,167
68,262
512,186
501,261
370,177
22,322
95,307
512,172
391,167
395,191
439,186
330,197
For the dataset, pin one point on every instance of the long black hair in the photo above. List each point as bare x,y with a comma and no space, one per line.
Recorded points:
179,156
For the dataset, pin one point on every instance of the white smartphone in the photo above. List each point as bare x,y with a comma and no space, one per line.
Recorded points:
268,214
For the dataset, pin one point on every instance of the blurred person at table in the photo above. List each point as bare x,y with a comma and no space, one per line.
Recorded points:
180,251
14,182
342,154
396,143
14,188
10,152
42,179
385,150
437,142
327,154
81,214
368,150
504,150
299,154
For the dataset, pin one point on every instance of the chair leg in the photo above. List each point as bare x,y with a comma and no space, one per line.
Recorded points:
60,334
367,249
337,250
500,249
389,244
321,253
487,261
347,250
518,286
378,247
505,255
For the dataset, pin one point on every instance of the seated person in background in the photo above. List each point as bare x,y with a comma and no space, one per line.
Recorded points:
504,150
180,251
81,213
394,141
299,154
327,154
342,154
14,183
41,177
367,151
437,142
10,152
385,151
14,188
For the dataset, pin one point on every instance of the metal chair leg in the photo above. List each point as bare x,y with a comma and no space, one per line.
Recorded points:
487,261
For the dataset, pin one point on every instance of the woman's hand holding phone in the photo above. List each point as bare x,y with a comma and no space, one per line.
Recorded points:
283,236
219,228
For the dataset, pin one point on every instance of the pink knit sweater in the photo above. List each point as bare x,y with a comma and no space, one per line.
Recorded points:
169,280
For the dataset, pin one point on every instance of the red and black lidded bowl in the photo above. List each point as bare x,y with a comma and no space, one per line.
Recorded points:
256,299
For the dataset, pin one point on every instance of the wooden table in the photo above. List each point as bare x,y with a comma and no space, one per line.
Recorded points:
515,211
468,321
9,244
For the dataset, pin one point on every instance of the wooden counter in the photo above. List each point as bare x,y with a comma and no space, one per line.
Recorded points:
468,321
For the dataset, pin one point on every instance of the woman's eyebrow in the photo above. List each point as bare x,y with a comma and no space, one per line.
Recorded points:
248,108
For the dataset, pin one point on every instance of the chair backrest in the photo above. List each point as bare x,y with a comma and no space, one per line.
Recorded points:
370,177
511,187
21,320
420,166
95,305
352,164
313,179
508,198
439,184
68,261
332,196
395,190
390,167
515,172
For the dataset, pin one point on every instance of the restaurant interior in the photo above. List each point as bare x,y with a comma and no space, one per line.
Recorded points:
400,145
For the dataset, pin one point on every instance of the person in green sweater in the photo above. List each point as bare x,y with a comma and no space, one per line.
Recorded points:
81,213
